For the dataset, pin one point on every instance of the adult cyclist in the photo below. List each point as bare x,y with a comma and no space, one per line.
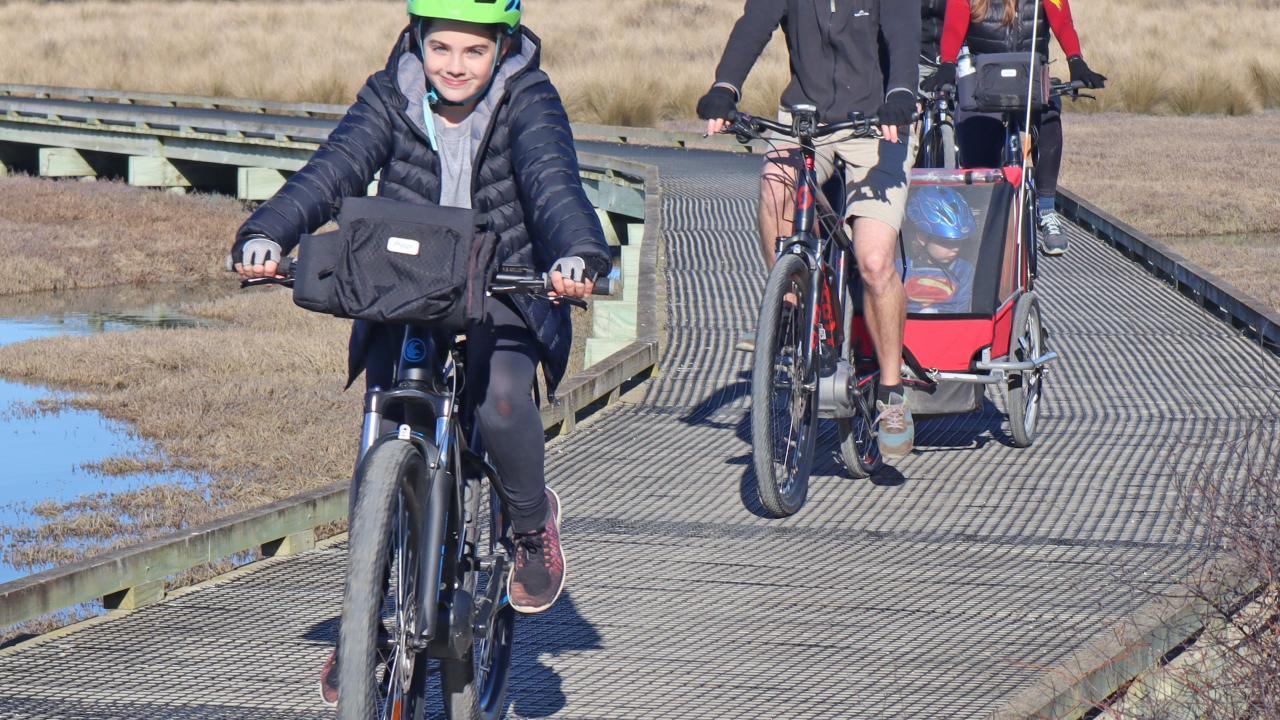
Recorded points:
1001,26
462,116
835,62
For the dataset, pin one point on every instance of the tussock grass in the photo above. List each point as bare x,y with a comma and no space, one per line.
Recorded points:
634,62
77,235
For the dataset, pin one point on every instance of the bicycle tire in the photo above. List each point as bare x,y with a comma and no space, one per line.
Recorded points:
948,146
777,333
1024,389
389,499
467,697
859,446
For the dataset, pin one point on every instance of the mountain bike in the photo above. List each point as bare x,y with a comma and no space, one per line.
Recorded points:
813,358
430,548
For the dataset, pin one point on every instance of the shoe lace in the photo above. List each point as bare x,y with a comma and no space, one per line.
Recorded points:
892,417
1051,224
531,546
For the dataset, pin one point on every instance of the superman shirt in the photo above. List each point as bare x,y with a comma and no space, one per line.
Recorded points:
935,288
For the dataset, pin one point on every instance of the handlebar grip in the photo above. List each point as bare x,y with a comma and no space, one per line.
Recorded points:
608,285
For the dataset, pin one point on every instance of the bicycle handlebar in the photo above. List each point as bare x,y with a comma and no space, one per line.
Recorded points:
508,281
523,281
749,127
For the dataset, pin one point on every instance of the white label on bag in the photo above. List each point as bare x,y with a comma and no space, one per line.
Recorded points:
1009,72
404,246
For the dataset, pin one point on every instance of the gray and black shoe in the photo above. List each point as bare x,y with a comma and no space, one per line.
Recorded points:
1053,241
897,429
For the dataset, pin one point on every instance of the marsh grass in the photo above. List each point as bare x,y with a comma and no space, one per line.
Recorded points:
633,62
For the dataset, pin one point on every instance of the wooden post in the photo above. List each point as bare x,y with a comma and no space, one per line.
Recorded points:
135,597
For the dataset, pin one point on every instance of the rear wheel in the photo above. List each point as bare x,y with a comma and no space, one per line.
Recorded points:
1024,389
859,448
379,675
784,406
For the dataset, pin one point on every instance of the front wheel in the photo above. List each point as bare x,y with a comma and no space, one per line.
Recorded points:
1025,387
784,403
379,674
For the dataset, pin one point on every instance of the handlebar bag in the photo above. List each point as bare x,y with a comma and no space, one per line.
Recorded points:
1000,82
397,262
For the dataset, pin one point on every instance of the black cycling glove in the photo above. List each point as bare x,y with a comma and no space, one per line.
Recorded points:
944,75
1080,71
718,104
899,108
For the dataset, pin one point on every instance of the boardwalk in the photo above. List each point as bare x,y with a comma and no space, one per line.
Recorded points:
941,589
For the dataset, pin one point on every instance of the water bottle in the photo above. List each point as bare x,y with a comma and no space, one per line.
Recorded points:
964,63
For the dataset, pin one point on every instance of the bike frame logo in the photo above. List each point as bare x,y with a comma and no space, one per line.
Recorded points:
415,350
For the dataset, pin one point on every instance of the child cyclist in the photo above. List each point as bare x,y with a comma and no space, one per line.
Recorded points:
462,116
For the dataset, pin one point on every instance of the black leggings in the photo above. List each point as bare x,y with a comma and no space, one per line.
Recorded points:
501,357
980,135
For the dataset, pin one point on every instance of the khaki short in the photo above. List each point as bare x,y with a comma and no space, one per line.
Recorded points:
877,172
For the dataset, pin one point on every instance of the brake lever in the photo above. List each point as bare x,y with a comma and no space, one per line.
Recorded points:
253,282
575,302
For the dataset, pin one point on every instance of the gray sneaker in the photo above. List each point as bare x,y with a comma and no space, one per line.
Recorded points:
1053,241
897,428
746,342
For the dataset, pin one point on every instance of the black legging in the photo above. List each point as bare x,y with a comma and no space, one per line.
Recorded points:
979,136
501,357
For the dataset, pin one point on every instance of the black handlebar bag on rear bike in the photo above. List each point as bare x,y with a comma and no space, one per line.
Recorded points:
398,262
999,83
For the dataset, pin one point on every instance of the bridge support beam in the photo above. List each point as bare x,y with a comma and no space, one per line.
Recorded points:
65,162
258,183
157,172
290,544
135,597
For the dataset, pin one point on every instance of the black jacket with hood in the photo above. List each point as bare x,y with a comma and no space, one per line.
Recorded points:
837,49
525,179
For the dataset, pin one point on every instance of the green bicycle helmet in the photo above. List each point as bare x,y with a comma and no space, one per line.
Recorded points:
483,12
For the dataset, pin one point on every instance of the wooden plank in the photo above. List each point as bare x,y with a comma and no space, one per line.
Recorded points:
253,183
64,162
101,575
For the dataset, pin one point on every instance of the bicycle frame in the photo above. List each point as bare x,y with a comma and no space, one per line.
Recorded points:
828,262
425,391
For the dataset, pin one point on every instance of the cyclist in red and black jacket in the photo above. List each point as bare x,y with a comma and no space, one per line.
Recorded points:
1001,26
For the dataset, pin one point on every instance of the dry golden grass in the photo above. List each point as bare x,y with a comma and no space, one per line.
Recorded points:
637,62
77,235
1175,176
1181,56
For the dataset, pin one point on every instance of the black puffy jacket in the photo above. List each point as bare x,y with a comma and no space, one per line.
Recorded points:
932,15
991,35
525,180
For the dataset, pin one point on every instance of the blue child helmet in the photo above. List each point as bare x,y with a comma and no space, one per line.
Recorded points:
941,214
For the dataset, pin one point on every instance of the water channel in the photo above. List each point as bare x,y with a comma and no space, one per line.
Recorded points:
43,454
